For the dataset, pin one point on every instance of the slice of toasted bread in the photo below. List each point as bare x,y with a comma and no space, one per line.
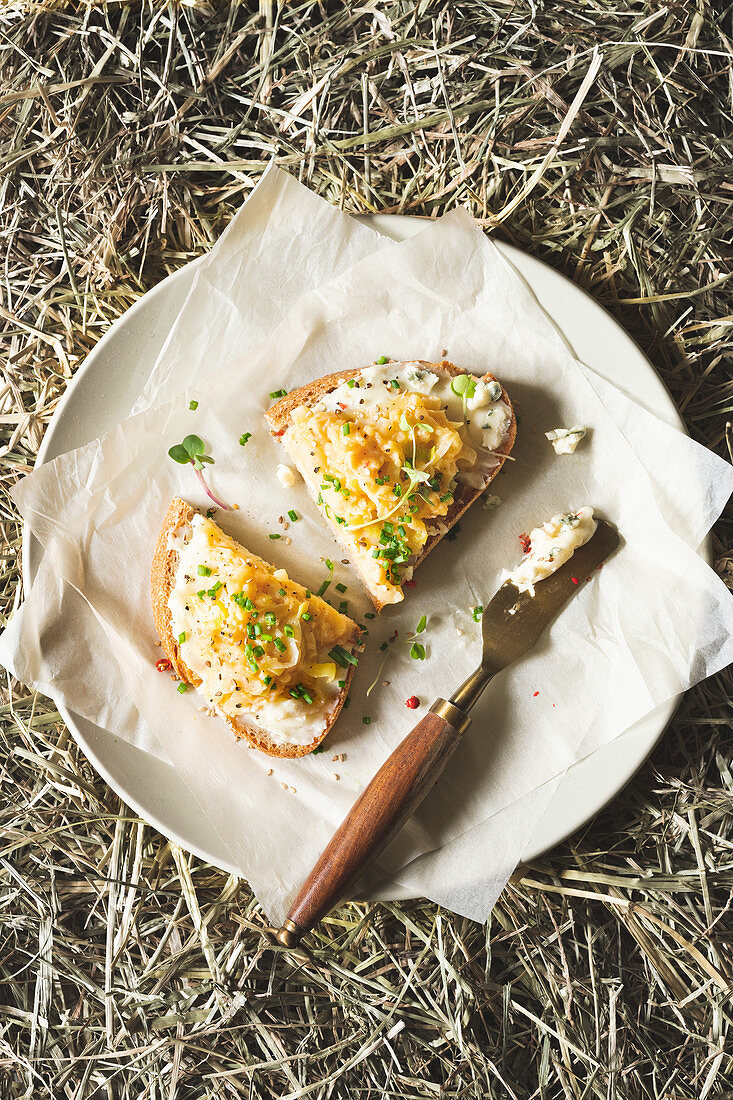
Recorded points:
281,419
269,725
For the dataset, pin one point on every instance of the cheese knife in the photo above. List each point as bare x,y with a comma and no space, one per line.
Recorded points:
511,625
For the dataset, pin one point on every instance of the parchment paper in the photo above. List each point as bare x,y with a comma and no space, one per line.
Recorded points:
655,620
283,242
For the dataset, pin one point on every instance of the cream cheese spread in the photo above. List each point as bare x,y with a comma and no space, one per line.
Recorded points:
565,440
286,475
550,546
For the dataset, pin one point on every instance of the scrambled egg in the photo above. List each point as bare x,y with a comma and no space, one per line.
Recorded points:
384,469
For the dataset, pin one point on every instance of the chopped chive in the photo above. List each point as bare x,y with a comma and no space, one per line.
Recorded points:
280,644
340,587
293,516
288,631
193,405
383,646
267,680
258,651
281,592
183,688
275,536
265,637
446,496
278,393
477,612
248,604
394,384
306,616
343,607
342,656
270,617
182,637
201,593
244,438
366,720
382,360
342,683
351,382
204,571
369,615
346,430
308,593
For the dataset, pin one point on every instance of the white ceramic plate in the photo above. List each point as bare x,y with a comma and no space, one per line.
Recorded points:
102,394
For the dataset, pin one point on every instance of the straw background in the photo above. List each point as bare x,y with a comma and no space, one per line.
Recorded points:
595,135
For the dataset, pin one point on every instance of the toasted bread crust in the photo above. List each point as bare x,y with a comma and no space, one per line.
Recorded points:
279,416
162,578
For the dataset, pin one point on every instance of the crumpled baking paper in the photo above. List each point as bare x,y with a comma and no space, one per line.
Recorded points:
262,262
655,620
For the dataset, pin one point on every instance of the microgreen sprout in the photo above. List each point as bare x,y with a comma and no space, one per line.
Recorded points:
417,649
193,451
464,386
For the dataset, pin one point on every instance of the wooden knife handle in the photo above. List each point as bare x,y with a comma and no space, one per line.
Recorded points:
378,814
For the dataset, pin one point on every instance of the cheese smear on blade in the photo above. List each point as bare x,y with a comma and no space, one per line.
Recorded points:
385,454
259,644
550,547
